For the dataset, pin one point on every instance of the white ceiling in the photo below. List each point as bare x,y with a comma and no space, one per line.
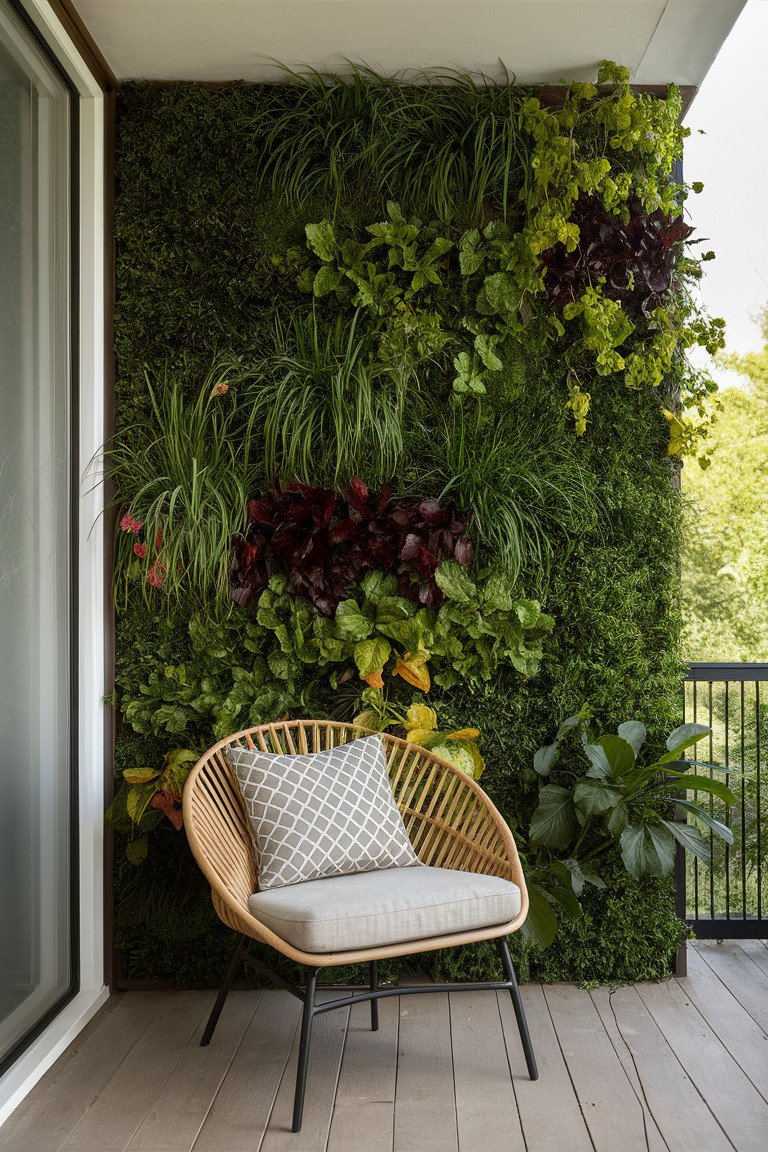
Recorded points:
540,41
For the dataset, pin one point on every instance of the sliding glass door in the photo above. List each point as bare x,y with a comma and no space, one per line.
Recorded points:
36,580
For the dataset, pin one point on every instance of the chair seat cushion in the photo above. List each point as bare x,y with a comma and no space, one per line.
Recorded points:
371,909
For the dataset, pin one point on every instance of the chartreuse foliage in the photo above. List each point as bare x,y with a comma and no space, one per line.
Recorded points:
387,280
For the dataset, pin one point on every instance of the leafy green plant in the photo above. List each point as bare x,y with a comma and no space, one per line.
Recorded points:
617,803
182,480
245,671
419,725
158,789
326,408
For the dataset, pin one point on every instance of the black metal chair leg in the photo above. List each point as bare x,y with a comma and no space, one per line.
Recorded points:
517,1004
213,1019
310,988
373,984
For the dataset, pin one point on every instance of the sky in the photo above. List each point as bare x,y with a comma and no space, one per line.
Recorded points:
728,151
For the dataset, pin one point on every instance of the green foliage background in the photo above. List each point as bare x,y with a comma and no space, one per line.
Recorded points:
725,557
201,245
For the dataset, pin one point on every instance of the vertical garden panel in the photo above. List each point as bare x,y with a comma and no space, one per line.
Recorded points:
457,318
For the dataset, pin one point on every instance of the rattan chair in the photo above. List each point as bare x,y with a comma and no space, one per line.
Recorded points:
451,824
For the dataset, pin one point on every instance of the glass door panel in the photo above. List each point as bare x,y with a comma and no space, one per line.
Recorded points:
35,526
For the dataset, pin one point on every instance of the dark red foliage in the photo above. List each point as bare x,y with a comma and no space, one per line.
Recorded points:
324,541
636,259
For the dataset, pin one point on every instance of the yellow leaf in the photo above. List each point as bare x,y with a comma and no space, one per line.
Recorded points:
139,775
421,716
412,668
464,734
418,735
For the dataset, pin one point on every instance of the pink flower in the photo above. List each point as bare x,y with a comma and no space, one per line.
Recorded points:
130,524
156,575
140,549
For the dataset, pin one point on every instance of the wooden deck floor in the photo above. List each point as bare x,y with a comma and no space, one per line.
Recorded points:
676,1065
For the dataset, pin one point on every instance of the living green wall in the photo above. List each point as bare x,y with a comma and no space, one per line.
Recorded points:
212,253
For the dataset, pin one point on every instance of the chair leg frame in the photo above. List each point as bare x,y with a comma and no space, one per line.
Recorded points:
312,1009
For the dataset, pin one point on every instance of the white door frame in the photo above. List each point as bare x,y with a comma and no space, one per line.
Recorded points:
93,714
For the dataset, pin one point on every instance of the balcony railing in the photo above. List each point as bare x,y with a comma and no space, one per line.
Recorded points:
728,898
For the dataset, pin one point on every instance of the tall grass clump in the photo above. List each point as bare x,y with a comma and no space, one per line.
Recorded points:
182,484
524,498
458,137
326,408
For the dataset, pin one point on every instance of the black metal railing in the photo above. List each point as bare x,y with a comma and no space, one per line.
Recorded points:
728,898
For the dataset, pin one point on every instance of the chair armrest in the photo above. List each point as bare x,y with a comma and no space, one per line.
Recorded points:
219,832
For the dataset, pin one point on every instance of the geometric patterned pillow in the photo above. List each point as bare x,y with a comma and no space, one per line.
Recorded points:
327,814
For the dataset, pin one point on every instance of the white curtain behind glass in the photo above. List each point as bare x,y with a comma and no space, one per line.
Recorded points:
34,534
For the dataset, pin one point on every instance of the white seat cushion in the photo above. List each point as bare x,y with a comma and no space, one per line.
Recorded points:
371,909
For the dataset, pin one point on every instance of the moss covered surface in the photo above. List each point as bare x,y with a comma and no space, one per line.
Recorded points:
200,270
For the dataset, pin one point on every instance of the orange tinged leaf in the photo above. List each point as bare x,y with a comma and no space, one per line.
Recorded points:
413,669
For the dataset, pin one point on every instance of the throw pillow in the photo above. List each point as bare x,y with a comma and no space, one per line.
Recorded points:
327,814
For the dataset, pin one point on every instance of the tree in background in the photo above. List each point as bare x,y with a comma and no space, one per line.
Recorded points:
725,558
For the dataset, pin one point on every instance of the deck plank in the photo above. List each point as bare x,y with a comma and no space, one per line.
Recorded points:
443,1073
364,1114
549,1110
757,951
125,1100
731,1097
667,1087
70,1087
485,1096
425,1105
328,1036
179,1110
602,1086
240,1111
741,975
744,1039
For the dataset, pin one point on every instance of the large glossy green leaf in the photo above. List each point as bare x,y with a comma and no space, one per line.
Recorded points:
498,593
598,759
617,821
720,829
351,623
619,753
690,838
544,758
685,736
569,722
704,784
634,732
453,580
138,798
540,925
592,797
568,900
377,585
554,822
321,238
371,655
647,849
